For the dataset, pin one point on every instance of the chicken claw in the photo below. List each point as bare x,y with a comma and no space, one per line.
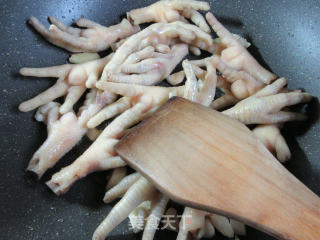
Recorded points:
64,132
116,176
238,227
110,111
121,188
93,134
158,207
137,217
151,97
100,155
176,78
236,56
224,101
170,11
207,230
227,99
271,137
139,60
201,91
222,224
265,106
147,67
192,220
203,224
243,84
83,57
139,192
94,38
72,82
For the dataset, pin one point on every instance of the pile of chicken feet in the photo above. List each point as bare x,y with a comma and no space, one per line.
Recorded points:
124,86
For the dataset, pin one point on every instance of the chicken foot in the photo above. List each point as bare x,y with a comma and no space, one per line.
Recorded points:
64,131
236,56
265,106
93,38
271,137
171,11
73,79
139,192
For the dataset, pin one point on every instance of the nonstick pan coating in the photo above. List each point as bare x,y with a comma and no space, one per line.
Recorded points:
286,38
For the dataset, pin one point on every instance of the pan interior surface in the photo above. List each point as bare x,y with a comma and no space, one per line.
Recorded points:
285,38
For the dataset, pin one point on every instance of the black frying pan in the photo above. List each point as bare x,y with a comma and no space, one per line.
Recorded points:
286,38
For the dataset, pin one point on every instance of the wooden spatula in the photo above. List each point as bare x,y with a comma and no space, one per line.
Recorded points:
204,159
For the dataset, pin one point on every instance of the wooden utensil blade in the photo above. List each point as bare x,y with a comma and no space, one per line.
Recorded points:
206,160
